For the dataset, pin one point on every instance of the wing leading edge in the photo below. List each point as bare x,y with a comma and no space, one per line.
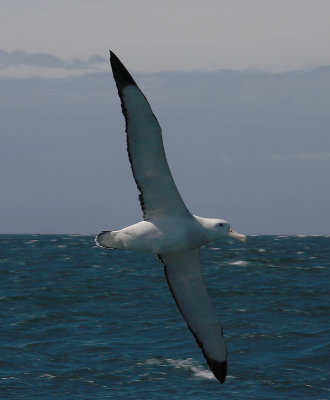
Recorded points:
159,194
184,277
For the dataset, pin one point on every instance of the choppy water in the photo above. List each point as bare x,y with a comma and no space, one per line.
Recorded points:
80,322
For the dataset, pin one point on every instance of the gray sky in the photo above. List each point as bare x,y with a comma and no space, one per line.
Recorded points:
157,35
251,146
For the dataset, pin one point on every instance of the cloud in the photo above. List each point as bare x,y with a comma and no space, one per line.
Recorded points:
19,64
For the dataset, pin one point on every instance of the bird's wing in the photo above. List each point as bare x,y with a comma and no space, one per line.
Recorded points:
159,194
184,277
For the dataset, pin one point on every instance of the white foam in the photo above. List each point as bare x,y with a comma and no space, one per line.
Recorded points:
190,365
9,377
240,263
47,376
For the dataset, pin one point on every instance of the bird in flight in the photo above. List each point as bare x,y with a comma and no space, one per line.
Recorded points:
168,229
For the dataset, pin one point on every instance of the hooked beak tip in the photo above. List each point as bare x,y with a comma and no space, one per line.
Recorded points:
238,236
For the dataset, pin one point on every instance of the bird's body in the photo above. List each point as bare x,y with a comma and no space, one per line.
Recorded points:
168,228
163,235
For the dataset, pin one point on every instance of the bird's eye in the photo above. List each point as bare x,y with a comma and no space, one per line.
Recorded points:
221,224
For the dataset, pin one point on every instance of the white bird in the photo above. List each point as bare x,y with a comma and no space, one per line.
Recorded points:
168,228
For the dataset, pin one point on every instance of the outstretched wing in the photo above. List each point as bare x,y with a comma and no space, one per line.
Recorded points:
184,277
159,194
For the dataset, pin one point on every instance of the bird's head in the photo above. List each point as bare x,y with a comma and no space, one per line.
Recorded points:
219,228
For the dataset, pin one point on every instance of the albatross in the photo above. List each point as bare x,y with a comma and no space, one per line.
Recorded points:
168,229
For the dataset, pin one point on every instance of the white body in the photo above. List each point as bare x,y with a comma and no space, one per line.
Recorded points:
165,235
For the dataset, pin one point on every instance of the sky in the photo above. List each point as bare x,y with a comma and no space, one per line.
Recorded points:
240,88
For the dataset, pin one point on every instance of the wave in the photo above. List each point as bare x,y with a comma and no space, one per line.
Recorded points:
240,263
188,364
191,366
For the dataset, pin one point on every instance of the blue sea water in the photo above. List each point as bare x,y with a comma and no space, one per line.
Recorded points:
80,322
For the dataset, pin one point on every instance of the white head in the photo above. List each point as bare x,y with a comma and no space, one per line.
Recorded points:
219,228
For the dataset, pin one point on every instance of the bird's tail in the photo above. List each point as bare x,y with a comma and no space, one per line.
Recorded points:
106,239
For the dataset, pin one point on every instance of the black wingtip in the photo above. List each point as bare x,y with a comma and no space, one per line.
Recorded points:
122,77
219,369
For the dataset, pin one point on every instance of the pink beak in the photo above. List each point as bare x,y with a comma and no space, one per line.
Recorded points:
236,235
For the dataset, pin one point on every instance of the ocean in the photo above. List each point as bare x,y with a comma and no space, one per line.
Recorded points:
81,322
